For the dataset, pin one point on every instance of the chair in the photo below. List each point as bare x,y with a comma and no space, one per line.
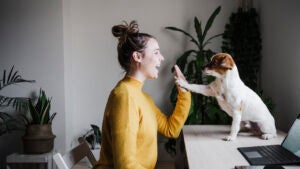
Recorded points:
68,160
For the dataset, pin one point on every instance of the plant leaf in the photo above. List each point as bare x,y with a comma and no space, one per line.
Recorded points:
45,113
39,105
15,78
210,22
190,71
3,78
97,133
51,118
198,29
10,72
34,113
184,32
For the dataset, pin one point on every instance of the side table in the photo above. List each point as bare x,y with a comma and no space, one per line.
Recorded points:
30,161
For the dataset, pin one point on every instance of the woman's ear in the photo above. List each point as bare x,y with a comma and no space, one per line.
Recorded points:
137,56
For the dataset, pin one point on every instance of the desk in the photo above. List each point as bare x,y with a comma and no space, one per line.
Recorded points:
206,149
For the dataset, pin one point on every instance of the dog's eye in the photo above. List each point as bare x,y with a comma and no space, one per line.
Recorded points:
214,62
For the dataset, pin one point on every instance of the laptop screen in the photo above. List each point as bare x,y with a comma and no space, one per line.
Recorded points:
292,140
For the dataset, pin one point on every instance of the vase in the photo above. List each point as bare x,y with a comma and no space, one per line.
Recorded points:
38,139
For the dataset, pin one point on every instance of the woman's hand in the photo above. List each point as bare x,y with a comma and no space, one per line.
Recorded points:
179,75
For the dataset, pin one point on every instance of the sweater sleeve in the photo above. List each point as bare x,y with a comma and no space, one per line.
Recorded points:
124,123
171,126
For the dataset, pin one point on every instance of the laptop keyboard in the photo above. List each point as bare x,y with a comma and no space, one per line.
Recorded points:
276,154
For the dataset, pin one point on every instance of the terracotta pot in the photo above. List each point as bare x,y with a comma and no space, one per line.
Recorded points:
38,139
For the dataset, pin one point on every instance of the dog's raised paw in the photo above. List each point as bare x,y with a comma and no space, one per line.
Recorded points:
181,82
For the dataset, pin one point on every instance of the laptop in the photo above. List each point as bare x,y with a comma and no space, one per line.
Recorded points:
286,153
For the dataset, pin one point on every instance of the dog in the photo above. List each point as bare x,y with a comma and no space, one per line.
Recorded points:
240,102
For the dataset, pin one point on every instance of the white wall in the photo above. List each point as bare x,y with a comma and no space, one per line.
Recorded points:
31,39
280,25
91,65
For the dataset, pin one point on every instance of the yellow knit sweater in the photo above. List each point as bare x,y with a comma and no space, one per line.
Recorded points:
130,124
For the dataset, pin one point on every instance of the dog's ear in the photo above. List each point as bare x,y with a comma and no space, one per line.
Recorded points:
227,62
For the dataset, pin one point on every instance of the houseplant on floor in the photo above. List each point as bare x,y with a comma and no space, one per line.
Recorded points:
38,137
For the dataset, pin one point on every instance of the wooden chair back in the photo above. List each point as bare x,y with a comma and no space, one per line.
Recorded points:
68,160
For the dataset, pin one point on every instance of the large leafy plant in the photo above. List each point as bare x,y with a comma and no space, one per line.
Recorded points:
204,110
8,122
40,112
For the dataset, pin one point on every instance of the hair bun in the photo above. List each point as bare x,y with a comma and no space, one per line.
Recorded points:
122,31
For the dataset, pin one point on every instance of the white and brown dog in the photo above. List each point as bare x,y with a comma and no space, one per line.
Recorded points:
241,103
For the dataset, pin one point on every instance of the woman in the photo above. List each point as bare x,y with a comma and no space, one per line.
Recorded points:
131,119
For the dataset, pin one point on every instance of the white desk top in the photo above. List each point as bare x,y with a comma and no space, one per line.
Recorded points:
206,149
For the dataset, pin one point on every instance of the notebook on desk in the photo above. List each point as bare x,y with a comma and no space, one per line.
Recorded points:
286,153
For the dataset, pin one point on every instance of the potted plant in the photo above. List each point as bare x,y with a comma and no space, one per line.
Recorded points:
204,110
92,136
38,137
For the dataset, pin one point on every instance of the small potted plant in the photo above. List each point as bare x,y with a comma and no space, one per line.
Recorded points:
38,137
93,138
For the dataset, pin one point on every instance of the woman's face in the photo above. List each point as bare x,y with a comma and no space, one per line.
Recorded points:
151,60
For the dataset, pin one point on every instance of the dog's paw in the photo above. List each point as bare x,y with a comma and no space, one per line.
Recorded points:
229,138
267,136
181,82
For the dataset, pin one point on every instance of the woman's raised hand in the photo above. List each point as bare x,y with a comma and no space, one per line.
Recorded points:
179,75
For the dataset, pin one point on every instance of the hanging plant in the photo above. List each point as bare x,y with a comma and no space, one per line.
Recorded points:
242,40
